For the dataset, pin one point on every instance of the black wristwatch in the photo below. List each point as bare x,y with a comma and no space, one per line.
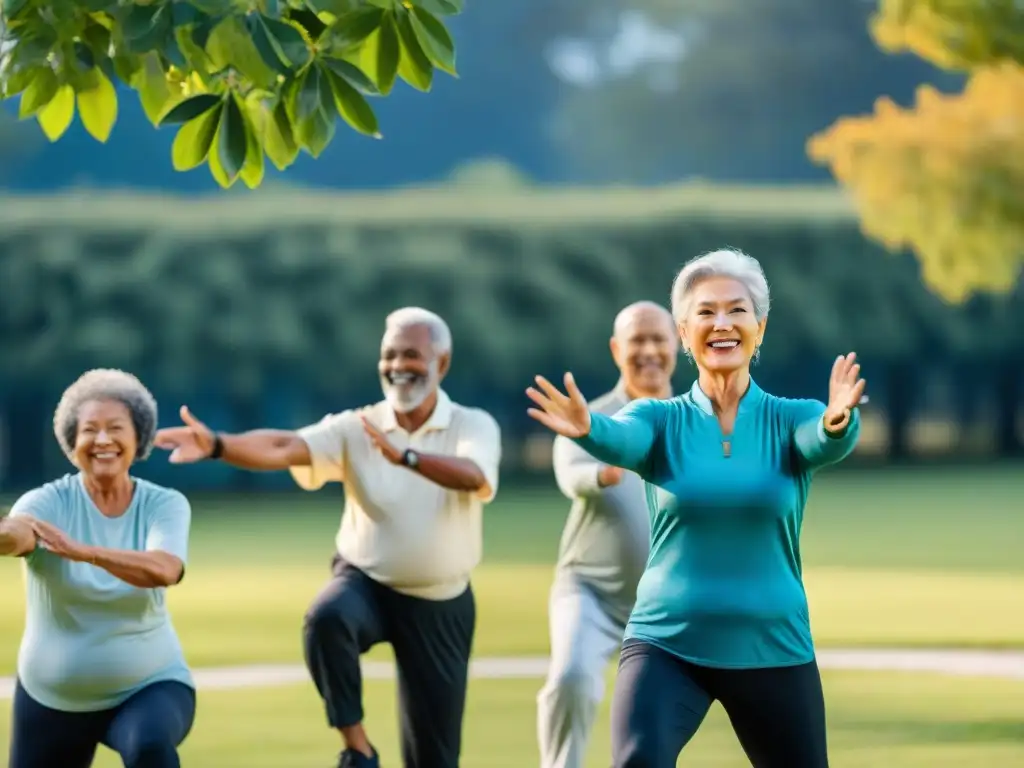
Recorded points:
410,458
218,448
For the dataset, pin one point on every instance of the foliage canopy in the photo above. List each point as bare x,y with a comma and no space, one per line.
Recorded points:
243,80
944,178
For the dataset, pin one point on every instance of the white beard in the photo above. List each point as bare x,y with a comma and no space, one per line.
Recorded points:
404,398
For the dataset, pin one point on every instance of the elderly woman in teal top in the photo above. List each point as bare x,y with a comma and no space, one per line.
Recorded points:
721,613
100,662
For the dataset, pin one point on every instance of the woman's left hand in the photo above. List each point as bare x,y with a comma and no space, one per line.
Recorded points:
845,392
52,538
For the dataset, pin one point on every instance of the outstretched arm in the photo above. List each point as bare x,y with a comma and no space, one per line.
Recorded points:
265,449
261,449
625,439
816,446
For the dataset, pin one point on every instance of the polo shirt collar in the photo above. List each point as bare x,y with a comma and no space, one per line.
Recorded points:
750,400
440,419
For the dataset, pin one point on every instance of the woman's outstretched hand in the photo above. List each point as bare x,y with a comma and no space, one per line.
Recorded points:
566,414
845,392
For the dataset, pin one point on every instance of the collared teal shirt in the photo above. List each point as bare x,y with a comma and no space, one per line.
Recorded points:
723,583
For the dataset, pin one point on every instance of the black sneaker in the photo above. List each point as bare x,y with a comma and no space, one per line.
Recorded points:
350,758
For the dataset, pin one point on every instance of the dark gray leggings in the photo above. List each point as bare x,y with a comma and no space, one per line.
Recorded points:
778,713
145,730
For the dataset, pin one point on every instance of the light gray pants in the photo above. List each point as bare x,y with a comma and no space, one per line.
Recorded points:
584,637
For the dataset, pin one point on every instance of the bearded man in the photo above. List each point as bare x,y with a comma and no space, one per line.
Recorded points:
417,470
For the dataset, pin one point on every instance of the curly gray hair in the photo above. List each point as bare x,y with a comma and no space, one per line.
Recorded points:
106,384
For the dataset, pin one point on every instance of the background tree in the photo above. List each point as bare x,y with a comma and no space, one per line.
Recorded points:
242,80
944,178
719,89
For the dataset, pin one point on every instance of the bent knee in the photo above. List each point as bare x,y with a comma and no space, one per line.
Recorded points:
643,752
151,750
573,684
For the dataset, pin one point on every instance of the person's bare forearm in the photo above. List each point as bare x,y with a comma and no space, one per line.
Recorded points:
265,449
16,537
454,473
146,570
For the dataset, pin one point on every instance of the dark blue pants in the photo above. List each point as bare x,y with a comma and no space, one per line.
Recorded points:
778,713
145,730
432,641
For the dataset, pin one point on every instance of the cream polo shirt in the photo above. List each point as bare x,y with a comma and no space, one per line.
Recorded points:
401,529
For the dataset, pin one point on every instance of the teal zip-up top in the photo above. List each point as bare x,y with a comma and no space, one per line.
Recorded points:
723,583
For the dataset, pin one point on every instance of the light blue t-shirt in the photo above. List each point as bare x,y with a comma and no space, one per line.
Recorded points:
92,640
723,584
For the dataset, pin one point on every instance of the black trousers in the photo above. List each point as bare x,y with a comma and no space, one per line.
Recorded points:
660,700
145,730
432,641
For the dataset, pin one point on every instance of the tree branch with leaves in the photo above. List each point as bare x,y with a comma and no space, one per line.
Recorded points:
944,179
242,80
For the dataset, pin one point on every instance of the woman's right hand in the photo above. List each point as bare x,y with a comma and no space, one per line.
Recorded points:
566,414
187,444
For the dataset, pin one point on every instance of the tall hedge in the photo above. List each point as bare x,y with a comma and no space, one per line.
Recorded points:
246,290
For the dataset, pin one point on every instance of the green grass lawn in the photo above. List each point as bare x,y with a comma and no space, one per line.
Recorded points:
925,558
875,721
910,558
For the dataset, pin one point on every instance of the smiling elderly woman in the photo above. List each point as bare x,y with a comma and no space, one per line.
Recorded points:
721,612
100,662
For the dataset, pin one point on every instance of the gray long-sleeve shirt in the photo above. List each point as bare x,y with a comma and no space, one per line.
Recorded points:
606,538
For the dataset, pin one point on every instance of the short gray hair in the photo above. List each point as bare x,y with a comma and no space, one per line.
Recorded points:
727,262
106,384
410,317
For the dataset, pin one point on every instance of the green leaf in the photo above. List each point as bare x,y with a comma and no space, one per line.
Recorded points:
290,44
233,138
440,7
316,133
189,109
11,8
253,167
150,80
127,68
308,20
414,68
352,29
185,14
98,108
216,169
192,143
268,48
275,130
147,27
436,42
353,107
232,45
39,92
55,118
335,7
308,98
353,75
389,53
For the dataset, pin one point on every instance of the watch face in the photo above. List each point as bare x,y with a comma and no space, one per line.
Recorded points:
411,459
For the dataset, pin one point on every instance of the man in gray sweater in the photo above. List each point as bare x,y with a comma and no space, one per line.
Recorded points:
604,545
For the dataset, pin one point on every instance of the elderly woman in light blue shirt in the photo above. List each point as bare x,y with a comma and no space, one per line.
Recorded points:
100,662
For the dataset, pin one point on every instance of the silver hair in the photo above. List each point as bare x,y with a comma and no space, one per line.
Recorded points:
727,262
106,384
409,317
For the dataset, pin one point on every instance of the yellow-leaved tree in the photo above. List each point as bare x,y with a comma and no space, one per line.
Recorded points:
944,179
